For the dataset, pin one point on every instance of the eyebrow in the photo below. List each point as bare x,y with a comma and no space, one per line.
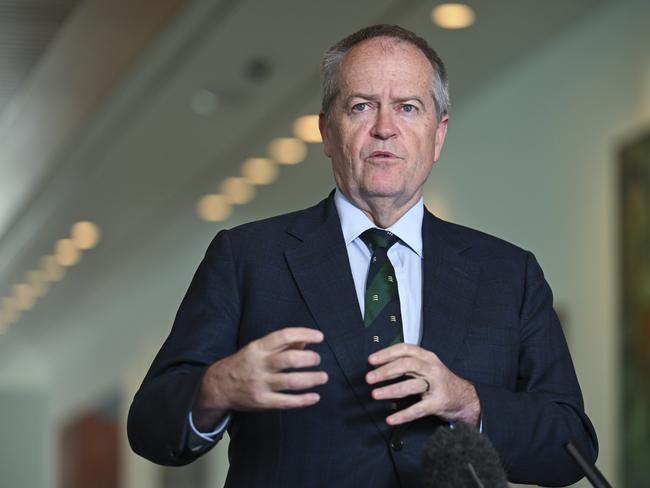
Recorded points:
363,96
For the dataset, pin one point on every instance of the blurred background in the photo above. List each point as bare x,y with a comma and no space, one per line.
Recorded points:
131,131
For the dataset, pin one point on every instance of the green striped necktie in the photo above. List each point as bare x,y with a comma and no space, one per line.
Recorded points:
382,318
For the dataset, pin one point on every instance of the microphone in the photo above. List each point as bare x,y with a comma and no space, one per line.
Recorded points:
461,457
592,473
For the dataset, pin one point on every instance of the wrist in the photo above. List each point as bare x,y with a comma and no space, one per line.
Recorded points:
471,412
210,404
468,406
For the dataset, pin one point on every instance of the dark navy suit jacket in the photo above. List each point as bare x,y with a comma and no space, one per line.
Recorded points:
487,313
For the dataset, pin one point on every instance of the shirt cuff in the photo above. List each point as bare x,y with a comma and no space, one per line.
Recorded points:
216,434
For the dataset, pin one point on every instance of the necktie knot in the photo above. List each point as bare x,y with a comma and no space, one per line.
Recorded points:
379,239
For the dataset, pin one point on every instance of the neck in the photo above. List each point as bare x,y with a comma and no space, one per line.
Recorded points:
384,211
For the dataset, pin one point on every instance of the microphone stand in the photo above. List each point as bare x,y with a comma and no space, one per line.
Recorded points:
594,476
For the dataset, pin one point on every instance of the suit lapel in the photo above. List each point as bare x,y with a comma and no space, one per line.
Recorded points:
449,287
321,268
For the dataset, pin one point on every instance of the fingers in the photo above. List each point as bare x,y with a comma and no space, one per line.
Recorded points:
286,401
401,350
414,412
297,381
293,358
290,337
397,369
276,396
412,386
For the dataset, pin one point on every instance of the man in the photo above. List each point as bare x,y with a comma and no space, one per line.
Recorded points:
331,352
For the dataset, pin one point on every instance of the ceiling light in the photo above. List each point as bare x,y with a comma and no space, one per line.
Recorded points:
205,102
66,253
11,313
238,190
52,270
260,171
214,208
85,235
306,128
287,150
453,16
37,282
24,297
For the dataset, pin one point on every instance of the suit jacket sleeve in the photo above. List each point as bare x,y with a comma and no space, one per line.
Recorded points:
530,425
204,331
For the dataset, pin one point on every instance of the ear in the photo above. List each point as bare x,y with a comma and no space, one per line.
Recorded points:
441,133
324,133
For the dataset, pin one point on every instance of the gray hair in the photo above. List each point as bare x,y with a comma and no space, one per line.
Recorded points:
334,55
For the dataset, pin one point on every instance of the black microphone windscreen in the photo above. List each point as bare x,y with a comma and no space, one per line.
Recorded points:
451,454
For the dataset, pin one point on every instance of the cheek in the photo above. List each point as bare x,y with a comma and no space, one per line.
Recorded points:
427,151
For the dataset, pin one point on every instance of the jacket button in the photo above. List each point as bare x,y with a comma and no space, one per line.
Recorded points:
396,444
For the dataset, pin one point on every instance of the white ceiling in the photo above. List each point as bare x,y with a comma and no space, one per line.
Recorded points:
26,29
137,159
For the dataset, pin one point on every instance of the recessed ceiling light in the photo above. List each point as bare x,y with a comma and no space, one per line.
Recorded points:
24,297
453,15
205,102
52,270
85,235
306,128
214,208
11,313
66,253
37,282
238,190
260,171
287,150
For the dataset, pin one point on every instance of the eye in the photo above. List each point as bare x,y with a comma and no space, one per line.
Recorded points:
360,107
409,108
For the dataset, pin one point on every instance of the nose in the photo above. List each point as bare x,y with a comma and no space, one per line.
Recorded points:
384,126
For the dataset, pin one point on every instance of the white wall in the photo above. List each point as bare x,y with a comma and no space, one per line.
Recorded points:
533,159
26,460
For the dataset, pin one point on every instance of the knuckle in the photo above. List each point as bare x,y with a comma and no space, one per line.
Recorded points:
293,358
404,365
418,411
315,358
293,381
287,403
253,347
284,335
258,398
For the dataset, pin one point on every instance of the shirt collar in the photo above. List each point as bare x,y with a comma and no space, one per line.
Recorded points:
354,222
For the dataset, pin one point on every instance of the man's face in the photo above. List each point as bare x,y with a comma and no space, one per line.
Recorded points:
382,134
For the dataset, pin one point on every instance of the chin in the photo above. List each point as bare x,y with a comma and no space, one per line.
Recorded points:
386,185
382,191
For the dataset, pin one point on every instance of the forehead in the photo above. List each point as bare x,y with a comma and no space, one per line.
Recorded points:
383,63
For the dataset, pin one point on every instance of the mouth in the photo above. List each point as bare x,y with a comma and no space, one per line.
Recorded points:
383,155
